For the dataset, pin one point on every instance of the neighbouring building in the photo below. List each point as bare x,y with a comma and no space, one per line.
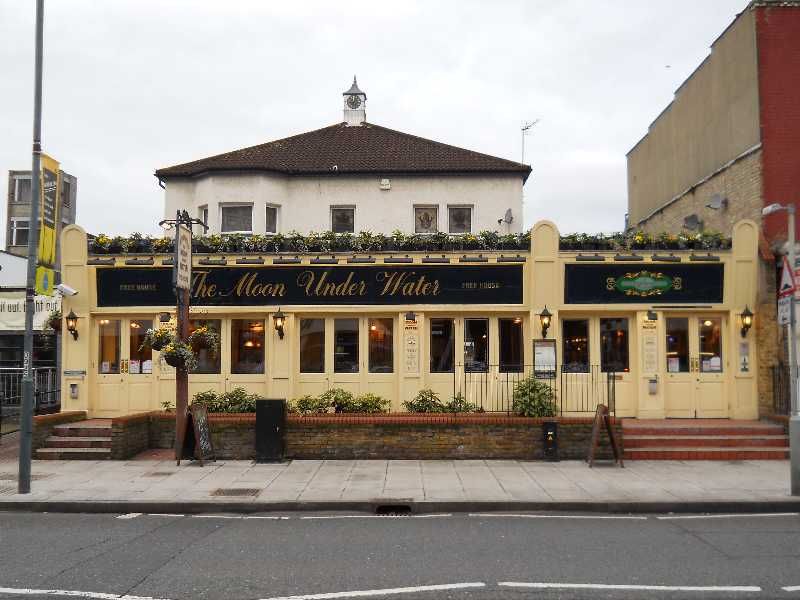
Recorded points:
18,208
725,147
349,177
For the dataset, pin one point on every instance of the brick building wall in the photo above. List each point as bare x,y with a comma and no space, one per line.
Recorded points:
741,182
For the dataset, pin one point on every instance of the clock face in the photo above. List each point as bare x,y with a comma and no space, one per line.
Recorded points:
353,102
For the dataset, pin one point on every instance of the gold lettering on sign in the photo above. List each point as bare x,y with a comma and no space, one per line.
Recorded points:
249,286
200,287
320,286
406,284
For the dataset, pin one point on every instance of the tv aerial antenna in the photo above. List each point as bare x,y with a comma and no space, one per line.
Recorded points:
525,129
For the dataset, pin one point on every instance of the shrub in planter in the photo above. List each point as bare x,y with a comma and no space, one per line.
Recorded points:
370,403
533,398
179,355
341,400
311,405
235,401
157,339
426,401
459,404
204,338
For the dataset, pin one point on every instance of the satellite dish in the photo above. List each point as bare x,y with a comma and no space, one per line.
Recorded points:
508,217
692,222
717,201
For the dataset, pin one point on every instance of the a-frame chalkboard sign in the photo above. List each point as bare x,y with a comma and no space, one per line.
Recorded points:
197,443
602,419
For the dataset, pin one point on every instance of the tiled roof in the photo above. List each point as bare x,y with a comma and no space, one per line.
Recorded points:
341,149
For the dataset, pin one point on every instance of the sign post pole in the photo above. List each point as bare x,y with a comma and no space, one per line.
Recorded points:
26,422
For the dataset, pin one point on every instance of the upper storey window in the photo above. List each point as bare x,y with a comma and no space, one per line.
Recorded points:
426,219
236,218
271,220
459,219
343,219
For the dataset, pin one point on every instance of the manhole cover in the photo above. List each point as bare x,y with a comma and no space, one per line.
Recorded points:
236,492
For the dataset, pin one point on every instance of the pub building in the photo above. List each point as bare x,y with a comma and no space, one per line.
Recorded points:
667,330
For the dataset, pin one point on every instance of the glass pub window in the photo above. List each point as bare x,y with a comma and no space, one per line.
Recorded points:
677,345
710,344
343,220
141,361
614,346
312,345
237,218
381,349
460,219
476,345
271,220
442,345
511,350
576,346
207,362
247,346
109,346
345,345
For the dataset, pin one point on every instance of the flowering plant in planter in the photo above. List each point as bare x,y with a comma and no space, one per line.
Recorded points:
177,354
157,339
204,338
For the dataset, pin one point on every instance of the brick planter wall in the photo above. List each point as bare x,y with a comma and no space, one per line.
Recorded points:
130,435
418,437
43,425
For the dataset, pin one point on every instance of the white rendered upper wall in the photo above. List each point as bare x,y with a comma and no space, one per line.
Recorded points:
304,202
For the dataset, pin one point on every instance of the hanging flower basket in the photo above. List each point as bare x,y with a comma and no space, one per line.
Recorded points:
179,355
157,339
54,321
204,338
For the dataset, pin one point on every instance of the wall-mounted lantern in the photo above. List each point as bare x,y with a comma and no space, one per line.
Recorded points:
279,319
544,320
747,320
72,324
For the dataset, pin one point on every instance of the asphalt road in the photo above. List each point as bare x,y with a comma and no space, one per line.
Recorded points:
198,557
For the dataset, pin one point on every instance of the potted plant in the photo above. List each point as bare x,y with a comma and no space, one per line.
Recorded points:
54,320
177,354
157,339
204,338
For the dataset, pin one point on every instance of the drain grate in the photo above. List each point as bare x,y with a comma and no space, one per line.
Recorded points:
13,476
159,474
7,491
236,492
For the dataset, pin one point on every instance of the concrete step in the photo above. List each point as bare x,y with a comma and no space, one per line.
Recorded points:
82,429
676,431
706,441
688,453
63,441
73,453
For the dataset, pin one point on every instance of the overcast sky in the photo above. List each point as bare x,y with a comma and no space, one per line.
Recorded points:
134,85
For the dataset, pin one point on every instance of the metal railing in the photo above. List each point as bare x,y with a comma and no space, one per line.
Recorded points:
47,394
576,390
781,394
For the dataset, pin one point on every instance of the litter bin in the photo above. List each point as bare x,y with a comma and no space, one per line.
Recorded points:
550,440
270,430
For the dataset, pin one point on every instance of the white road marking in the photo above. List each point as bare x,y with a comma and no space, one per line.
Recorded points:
657,588
164,515
317,517
524,516
129,516
217,516
271,518
727,516
791,588
72,593
384,592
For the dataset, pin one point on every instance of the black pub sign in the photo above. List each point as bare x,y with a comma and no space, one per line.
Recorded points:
643,284
312,285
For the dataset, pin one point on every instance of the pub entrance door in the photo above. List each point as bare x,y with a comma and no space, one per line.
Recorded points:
695,366
125,380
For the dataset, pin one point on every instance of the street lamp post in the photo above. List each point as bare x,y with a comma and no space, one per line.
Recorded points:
794,419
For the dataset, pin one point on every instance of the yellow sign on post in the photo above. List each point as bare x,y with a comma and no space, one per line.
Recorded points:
48,226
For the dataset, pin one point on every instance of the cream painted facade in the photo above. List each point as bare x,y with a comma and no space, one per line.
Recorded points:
304,202
649,385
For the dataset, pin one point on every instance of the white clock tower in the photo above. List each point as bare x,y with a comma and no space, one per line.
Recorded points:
355,101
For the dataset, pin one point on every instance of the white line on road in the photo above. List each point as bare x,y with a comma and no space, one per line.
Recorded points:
384,592
164,515
727,516
524,516
72,593
658,588
791,588
129,516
